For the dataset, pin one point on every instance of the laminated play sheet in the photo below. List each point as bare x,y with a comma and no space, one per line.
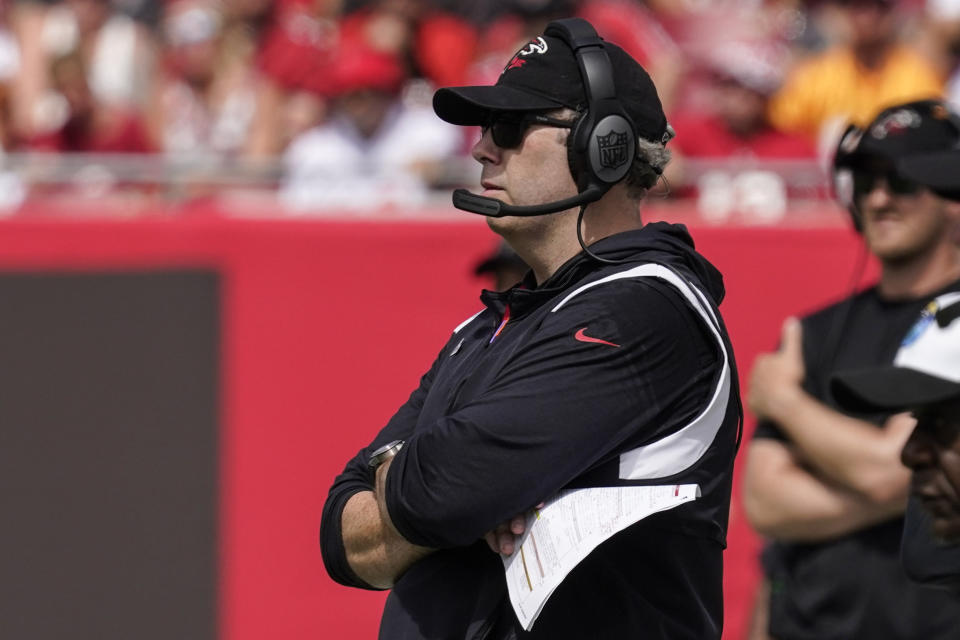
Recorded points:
568,528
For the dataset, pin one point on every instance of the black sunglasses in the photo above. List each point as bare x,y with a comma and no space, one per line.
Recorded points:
508,128
865,181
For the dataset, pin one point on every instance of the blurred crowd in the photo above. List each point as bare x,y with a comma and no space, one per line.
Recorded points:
329,100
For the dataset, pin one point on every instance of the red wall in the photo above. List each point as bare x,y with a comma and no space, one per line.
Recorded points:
327,327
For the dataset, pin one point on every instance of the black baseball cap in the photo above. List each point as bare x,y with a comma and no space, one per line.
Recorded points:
926,369
900,134
544,75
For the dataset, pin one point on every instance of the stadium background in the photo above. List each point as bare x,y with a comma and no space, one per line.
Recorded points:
179,394
205,309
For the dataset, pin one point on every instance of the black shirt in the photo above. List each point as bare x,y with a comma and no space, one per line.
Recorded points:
853,586
593,365
926,559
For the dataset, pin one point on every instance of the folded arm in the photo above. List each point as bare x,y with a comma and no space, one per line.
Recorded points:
559,408
850,453
355,539
785,501
375,550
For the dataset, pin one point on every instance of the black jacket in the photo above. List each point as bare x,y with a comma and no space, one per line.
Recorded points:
926,559
602,376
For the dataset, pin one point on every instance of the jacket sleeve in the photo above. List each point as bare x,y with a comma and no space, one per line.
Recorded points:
560,407
356,477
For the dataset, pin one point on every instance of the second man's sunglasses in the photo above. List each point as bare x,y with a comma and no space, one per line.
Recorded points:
865,181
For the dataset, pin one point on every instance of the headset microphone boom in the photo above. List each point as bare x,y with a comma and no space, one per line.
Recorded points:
493,208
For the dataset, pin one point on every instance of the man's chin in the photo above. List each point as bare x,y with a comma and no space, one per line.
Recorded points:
514,226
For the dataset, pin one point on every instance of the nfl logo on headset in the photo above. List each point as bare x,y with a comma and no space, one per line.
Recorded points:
613,149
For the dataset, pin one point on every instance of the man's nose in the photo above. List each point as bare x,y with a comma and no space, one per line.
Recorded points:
485,150
879,194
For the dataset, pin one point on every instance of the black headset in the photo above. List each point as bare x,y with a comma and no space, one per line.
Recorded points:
603,144
849,146
841,173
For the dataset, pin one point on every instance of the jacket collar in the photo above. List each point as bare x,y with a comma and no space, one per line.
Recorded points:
648,244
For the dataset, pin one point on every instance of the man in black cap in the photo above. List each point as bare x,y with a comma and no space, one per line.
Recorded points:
824,484
925,380
607,371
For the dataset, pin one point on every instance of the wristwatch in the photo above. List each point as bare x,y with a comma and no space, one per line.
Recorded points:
384,453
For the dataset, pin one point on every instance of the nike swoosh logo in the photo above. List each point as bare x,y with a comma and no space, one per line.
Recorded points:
582,337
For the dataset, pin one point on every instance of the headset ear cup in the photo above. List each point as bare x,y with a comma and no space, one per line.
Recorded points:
600,154
843,192
842,173
611,148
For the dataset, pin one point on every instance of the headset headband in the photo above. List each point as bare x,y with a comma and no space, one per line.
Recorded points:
604,141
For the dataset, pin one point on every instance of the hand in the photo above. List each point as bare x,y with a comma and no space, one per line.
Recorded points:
503,538
777,377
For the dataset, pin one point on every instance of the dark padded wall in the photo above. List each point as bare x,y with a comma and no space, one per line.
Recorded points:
109,386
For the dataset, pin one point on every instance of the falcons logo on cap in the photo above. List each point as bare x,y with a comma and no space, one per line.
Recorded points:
896,122
538,46
515,63
534,46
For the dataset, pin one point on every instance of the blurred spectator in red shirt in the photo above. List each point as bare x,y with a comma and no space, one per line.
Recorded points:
728,154
433,44
299,45
743,75
117,52
89,126
378,148
295,57
206,96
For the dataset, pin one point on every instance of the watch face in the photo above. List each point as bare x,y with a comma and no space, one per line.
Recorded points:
381,454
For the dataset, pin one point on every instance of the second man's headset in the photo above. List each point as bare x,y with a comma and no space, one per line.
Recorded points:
844,160
602,146
842,173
